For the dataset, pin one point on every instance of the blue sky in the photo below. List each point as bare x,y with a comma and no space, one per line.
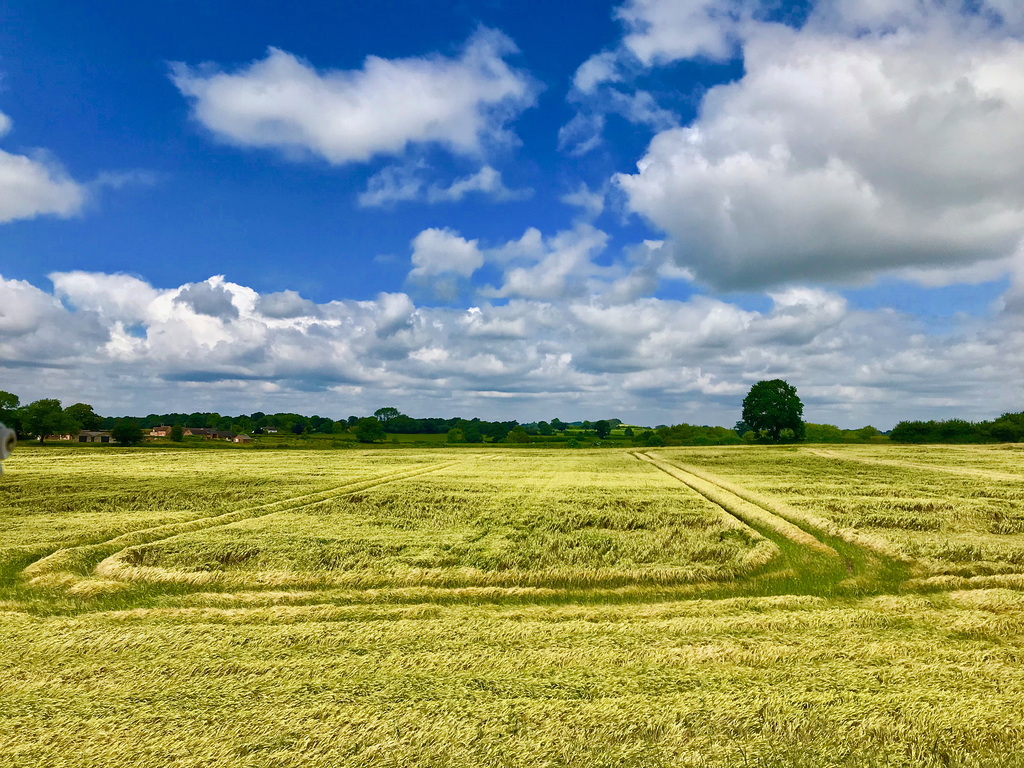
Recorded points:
574,209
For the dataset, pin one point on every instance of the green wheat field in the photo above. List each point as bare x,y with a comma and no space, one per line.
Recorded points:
857,605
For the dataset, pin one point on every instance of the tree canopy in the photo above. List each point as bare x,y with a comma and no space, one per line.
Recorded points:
44,418
772,407
387,415
82,415
126,432
369,430
9,410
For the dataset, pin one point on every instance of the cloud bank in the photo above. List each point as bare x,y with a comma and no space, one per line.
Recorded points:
123,344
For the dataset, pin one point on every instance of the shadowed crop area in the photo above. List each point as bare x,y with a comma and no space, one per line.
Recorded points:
673,607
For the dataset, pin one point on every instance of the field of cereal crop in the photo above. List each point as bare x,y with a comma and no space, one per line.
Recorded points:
735,606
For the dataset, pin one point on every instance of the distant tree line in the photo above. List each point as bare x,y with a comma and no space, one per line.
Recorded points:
829,433
1008,428
45,418
773,405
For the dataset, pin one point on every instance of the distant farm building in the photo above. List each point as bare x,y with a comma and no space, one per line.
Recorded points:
86,436
242,439
160,432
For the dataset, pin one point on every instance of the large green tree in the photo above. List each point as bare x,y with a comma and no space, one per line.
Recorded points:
84,416
43,418
9,409
387,415
369,430
126,432
471,431
771,407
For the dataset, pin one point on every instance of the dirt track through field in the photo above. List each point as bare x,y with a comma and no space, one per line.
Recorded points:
69,566
812,546
757,517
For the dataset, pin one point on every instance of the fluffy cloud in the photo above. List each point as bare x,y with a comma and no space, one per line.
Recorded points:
598,69
486,181
859,16
118,297
552,268
645,359
443,251
656,32
285,305
661,31
35,186
393,184
590,201
878,136
584,132
208,299
462,104
37,333
405,183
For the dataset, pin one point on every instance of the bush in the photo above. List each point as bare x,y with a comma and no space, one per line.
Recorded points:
126,432
517,435
823,433
369,430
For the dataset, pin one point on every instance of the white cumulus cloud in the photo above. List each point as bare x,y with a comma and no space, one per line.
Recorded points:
35,186
838,156
407,183
486,181
661,31
440,251
281,101
552,268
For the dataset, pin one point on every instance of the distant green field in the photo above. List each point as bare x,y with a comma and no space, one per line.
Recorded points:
484,605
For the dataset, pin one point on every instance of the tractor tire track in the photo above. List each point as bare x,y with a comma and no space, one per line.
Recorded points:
68,566
817,526
814,547
754,515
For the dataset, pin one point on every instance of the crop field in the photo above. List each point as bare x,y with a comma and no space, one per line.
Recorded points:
488,606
